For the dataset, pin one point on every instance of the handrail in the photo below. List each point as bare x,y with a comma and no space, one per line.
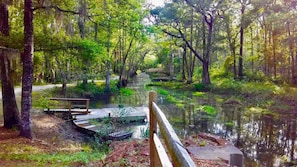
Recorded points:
179,155
71,100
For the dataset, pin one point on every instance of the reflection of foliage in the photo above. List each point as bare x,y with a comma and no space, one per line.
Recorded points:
210,110
162,92
229,124
198,94
180,105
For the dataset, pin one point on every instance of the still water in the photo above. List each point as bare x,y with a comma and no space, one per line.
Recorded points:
265,138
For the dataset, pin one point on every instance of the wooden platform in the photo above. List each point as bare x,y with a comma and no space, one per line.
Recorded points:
129,114
64,110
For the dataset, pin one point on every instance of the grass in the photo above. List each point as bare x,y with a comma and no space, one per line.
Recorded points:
31,155
34,155
126,92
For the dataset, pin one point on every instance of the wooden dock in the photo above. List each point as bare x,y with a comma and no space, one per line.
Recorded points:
126,114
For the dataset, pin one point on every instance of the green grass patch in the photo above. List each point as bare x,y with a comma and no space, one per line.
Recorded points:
198,94
126,92
35,156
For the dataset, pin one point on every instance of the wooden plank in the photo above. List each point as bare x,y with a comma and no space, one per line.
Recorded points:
67,110
163,157
69,99
179,154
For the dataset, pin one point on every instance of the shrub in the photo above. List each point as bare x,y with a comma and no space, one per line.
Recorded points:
201,87
126,91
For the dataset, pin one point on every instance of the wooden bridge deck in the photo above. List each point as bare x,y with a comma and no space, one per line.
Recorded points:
129,114
126,112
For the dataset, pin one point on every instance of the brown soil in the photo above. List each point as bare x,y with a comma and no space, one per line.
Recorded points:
53,134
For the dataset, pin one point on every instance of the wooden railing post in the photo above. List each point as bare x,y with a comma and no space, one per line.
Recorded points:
158,156
153,129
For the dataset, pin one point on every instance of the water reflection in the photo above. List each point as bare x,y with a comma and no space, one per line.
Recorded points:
265,138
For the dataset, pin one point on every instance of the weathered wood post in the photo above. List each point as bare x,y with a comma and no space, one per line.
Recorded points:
153,129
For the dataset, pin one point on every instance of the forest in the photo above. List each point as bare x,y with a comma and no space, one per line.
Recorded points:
192,43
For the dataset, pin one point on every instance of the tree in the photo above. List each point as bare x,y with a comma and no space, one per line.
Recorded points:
27,79
171,18
10,109
243,23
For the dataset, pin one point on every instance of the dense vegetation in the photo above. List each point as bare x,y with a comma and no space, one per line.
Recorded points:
80,40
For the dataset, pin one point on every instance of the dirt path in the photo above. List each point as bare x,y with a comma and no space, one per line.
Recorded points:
18,90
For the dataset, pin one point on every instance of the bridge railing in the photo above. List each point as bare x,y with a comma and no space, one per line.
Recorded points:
158,156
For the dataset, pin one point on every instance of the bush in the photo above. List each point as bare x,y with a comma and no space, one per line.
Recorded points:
126,91
201,87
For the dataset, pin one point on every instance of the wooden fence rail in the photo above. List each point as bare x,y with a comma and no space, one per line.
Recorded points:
158,156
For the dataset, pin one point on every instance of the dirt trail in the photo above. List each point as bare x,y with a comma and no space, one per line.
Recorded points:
18,90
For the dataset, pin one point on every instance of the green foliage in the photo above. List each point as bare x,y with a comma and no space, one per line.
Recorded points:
145,132
40,99
89,88
201,87
127,91
210,110
150,61
258,76
88,50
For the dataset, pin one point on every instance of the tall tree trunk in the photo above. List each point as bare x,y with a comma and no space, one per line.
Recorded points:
240,58
292,56
205,74
274,53
184,59
123,78
63,75
252,50
190,71
10,109
206,56
108,62
27,78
